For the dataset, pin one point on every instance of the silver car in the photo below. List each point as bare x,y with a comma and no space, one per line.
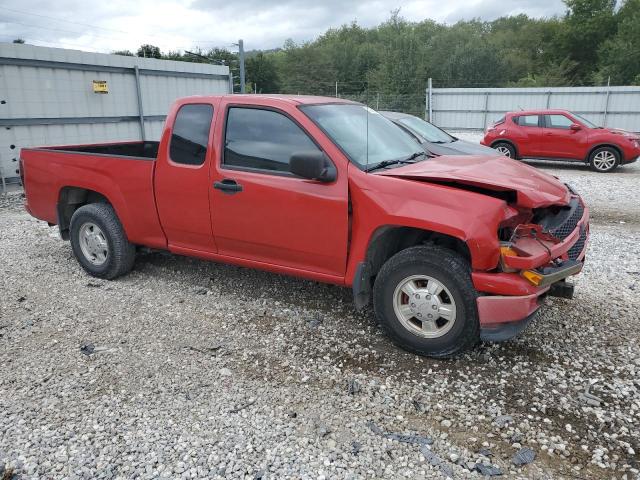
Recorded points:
435,140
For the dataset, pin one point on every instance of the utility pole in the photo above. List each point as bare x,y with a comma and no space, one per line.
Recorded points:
241,55
429,111
336,89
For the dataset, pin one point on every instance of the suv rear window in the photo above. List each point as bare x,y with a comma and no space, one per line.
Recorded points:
527,120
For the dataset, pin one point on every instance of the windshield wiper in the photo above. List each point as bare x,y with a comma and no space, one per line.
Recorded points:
386,163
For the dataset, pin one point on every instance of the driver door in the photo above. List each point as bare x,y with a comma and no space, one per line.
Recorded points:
560,141
261,211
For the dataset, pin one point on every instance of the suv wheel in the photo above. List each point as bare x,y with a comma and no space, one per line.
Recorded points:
604,159
99,243
426,303
505,149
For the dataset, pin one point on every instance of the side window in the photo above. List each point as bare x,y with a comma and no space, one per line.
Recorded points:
262,139
559,121
191,134
528,120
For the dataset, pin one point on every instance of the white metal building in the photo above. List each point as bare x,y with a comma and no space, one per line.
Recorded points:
53,96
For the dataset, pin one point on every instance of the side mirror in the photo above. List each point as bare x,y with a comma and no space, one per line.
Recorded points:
575,127
313,165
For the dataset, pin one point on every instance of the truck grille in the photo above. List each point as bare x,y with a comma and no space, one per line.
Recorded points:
569,225
577,248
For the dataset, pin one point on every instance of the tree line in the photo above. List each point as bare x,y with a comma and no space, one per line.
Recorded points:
596,42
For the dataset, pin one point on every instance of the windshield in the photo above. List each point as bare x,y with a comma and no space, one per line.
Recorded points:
429,132
585,121
364,135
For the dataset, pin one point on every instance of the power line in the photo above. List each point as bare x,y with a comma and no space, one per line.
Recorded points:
163,38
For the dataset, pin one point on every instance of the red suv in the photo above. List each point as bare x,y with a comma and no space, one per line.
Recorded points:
562,135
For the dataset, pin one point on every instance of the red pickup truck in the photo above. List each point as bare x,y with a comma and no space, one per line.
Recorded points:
450,250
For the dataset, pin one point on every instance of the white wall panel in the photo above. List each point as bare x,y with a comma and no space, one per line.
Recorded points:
58,101
476,108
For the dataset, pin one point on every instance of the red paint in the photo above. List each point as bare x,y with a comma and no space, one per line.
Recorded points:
557,143
299,227
496,310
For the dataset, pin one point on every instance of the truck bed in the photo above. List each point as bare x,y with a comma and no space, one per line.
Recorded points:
141,150
120,172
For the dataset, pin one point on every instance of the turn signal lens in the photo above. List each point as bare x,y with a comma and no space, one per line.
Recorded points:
508,252
533,277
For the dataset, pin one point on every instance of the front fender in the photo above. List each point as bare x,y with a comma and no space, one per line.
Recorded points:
470,217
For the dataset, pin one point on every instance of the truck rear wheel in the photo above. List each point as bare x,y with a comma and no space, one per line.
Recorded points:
426,303
99,242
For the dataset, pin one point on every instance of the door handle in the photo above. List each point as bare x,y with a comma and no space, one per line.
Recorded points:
228,186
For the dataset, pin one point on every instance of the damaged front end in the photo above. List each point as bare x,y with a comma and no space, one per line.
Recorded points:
550,238
539,249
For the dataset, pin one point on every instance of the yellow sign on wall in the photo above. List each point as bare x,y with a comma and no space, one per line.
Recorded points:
100,86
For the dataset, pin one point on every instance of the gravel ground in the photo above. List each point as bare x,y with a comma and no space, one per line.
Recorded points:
189,369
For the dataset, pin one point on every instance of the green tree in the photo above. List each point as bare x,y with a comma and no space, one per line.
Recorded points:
620,54
126,53
149,51
261,72
18,40
588,24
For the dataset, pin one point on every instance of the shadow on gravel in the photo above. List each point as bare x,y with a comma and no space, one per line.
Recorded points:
578,166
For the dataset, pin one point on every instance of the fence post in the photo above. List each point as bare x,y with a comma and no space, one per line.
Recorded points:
606,107
486,109
230,82
4,183
140,108
429,111
549,99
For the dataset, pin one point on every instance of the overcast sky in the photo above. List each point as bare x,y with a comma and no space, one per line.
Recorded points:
177,25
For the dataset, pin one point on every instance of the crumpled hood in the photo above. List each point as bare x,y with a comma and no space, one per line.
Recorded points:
534,188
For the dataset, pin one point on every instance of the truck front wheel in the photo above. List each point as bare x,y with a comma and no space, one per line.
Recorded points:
426,303
99,242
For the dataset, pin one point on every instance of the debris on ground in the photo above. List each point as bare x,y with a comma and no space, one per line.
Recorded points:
523,456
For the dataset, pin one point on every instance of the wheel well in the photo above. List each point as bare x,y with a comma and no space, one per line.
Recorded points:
502,140
71,199
385,243
610,145
388,241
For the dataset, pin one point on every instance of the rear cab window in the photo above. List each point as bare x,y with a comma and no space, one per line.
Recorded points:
190,134
262,139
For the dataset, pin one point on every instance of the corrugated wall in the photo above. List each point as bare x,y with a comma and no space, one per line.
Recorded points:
475,108
47,97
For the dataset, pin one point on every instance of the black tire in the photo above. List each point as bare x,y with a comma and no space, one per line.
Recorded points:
599,165
448,268
508,149
120,254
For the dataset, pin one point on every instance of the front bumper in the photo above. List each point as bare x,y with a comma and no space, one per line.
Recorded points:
509,301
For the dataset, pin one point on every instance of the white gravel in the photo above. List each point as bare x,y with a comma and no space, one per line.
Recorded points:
201,370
